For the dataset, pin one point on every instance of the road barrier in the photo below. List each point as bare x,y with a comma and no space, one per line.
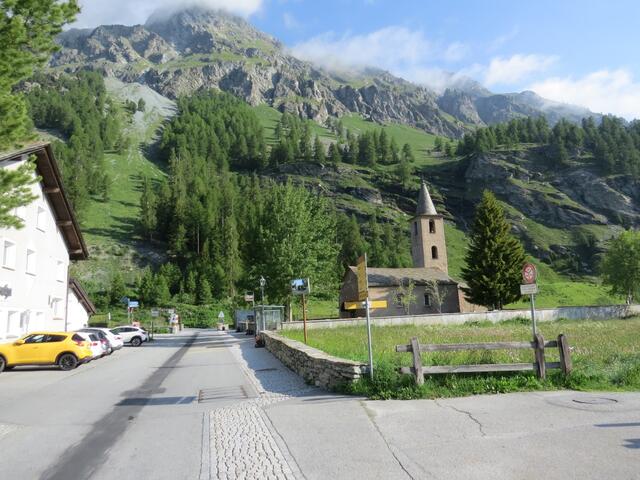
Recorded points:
540,366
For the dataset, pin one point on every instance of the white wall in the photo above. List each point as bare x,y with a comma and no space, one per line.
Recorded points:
542,315
77,316
38,283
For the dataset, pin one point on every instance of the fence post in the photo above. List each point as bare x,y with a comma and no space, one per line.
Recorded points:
417,361
540,360
565,354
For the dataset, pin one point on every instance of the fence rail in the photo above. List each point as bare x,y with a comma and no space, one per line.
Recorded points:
540,366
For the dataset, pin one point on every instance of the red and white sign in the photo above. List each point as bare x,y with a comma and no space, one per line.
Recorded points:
529,273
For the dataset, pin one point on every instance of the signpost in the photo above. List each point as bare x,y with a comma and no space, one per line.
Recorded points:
530,287
363,295
302,286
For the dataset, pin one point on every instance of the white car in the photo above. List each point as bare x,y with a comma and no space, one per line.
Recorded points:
131,335
115,341
97,348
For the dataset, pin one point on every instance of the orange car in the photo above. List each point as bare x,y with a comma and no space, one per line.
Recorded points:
65,349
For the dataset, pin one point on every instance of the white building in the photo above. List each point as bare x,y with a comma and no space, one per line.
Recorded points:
80,307
34,260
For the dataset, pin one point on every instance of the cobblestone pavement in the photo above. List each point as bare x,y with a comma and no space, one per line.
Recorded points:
242,444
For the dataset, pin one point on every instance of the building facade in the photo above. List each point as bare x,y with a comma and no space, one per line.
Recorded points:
433,290
34,260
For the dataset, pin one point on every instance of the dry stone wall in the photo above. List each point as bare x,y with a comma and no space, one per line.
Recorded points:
313,365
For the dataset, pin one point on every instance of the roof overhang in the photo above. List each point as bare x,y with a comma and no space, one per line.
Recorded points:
51,182
82,296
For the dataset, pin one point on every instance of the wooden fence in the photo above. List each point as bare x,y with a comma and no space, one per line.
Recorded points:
540,366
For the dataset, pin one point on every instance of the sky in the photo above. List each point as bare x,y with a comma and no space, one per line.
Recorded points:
580,52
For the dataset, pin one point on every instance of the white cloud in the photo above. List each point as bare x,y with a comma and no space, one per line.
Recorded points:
515,68
611,91
290,21
128,12
393,48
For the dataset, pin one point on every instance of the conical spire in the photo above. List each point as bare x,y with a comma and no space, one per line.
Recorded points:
425,205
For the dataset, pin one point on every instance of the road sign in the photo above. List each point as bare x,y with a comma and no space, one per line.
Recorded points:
300,286
529,289
221,315
134,304
373,304
363,281
155,313
124,300
529,273
249,297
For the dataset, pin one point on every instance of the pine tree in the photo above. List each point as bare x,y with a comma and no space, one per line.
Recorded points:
28,30
621,265
15,191
334,153
117,288
162,293
494,258
142,105
203,291
352,243
404,171
407,153
319,154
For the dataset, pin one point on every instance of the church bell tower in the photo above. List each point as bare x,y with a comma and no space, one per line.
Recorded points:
428,245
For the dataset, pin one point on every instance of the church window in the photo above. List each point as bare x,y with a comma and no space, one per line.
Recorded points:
432,226
434,253
427,300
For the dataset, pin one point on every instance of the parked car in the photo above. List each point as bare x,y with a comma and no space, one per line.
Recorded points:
132,335
67,350
98,349
111,341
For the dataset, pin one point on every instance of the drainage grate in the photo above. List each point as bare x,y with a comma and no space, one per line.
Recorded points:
221,393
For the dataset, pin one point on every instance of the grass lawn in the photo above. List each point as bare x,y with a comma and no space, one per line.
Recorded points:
605,354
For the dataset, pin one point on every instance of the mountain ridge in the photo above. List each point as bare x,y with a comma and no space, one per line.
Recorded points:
183,51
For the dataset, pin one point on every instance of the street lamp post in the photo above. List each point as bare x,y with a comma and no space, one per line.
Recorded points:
263,282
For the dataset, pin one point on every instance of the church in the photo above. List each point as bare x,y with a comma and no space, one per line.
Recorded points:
434,290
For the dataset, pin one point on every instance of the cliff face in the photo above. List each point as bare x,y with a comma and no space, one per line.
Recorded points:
196,49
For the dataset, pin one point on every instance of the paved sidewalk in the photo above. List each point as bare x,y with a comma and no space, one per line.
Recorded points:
552,435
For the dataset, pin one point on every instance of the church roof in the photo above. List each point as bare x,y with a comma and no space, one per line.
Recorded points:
394,277
425,204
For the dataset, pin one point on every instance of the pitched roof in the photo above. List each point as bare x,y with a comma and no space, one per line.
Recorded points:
82,296
394,277
425,204
51,182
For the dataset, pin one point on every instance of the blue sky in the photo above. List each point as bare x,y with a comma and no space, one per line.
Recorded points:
582,52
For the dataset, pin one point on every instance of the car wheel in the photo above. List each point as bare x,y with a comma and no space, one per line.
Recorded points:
67,361
136,341
3,364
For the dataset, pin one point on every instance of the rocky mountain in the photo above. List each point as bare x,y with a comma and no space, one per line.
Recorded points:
182,52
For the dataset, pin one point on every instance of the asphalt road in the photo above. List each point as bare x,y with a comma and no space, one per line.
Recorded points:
208,405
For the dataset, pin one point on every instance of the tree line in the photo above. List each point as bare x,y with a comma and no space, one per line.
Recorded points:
78,108
613,145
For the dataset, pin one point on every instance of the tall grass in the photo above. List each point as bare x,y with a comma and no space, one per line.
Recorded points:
605,354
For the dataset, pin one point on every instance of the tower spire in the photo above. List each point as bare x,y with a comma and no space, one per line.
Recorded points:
425,204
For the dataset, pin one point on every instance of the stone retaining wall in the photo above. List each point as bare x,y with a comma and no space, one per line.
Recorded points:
542,315
313,365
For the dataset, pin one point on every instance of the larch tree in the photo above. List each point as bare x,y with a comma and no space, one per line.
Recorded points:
621,265
494,259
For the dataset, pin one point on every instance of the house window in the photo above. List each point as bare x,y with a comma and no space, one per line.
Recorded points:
432,226
434,253
60,271
56,306
21,212
9,254
31,262
12,319
415,228
427,300
24,322
41,220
